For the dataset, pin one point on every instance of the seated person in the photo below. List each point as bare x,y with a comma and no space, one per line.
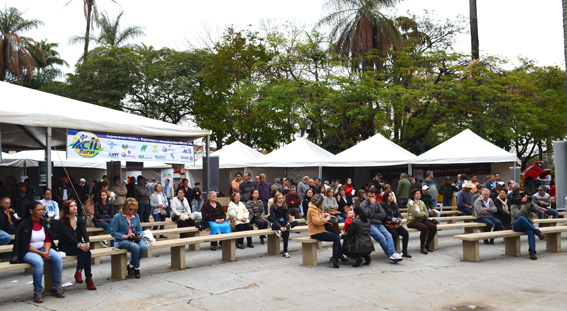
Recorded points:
464,199
543,201
256,211
330,205
214,214
11,218
181,211
522,221
238,212
485,211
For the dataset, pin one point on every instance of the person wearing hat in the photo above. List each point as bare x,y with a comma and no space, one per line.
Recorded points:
21,199
447,189
426,199
543,201
377,182
464,199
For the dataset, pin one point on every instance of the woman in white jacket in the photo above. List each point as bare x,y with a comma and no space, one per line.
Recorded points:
158,201
181,211
238,212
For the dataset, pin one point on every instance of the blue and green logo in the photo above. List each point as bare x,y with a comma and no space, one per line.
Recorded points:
86,144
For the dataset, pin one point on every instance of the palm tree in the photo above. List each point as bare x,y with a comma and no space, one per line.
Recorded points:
45,58
474,30
111,34
91,15
358,28
16,64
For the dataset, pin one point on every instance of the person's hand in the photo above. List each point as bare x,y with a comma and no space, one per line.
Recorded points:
486,208
262,217
46,255
524,199
191,217
84,247
400,221
328,217
282,229
243,219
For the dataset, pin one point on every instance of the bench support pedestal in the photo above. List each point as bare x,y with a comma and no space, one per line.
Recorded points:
178,257
470,251
229,250
309,252
273,244
118,266
553,242
512,246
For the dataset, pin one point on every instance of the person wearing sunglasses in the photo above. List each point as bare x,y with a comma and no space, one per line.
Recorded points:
126,229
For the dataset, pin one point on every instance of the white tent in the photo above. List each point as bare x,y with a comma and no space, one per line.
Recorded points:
300,153
374,151
466,147
235,155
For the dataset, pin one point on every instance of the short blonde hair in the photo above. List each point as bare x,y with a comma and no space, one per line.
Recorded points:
128,202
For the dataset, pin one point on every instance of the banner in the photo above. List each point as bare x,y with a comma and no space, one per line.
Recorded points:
108,147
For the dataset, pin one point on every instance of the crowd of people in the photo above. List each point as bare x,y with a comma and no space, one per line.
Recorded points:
373,211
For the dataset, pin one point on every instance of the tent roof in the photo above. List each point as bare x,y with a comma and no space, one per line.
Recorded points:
374,151
300,153
234,155
59,158
26,113
466,147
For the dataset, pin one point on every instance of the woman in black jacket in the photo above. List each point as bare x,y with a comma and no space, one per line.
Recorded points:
393,222
306,199
358,244
74,241
32,245
279,216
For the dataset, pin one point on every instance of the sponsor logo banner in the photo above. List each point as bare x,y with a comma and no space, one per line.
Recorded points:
104,147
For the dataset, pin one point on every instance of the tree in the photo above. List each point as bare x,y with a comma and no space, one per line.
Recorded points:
16,64
474,30
112,35
45,58
359,28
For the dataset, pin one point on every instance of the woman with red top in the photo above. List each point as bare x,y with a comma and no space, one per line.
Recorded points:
33,245
349,188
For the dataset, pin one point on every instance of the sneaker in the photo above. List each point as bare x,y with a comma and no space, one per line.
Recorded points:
279,233
286,255
104,243
161,236
57,292
398,256
393,259
37,297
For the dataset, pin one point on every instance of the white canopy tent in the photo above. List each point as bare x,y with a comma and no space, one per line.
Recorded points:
37,120
294,160
232,158
467,147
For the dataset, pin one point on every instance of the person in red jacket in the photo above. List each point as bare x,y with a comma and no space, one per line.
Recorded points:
349,188
292,200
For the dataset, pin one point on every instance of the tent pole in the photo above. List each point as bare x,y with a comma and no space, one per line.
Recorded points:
410,168
320,171
208,151
48,155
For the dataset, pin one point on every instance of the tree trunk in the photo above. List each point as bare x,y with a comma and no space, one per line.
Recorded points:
474,29
88,30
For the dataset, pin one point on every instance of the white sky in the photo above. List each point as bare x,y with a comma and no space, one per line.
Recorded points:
507,28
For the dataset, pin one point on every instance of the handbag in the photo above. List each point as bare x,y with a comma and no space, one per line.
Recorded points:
333,226
391,225
163,211
89,206
333,212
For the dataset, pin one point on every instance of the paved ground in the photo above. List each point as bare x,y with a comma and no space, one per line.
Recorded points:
437,281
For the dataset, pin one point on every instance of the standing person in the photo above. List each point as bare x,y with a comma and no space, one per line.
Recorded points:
306,200
86,189
247,186
484,210
474,183
238,212
417,219
403,190
464,199
130,187
152,186
279,216
394,222
169,191
21,199
293,201
51,207
522,220
126,230
542,200
187,191
181,211
302,187
64,191
285,186
426,198
32,245
447,189
377,182
197,196
349,188
277,185
316,221
357,242
214,214
74,241
376,214
120,191
158,204
235,184
255,209
430,182
265,191
142,194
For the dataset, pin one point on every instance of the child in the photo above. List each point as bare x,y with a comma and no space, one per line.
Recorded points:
349,219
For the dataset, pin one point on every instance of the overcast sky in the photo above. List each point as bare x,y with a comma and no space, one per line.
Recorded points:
507,28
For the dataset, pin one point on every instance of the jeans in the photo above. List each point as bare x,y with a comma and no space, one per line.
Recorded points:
523,225
465,211
447,201
5,238
104,224
436,213
541,214
490,222
197,206
37,262
330,237
382,236
137,250
144,211
434,201
157,217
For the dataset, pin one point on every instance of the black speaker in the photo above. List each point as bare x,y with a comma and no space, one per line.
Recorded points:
214,174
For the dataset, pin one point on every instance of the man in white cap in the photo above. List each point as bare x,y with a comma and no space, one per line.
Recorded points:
464,199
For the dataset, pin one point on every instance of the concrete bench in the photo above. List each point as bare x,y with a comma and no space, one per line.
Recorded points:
511,241
549,222
469,227
309,248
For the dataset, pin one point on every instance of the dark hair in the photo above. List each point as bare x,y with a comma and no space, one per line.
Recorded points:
46,189
373,190
238,173
413,192
197,183
30,206
360,213
360,194
233,195
99,197
384,201
309,189
251,193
